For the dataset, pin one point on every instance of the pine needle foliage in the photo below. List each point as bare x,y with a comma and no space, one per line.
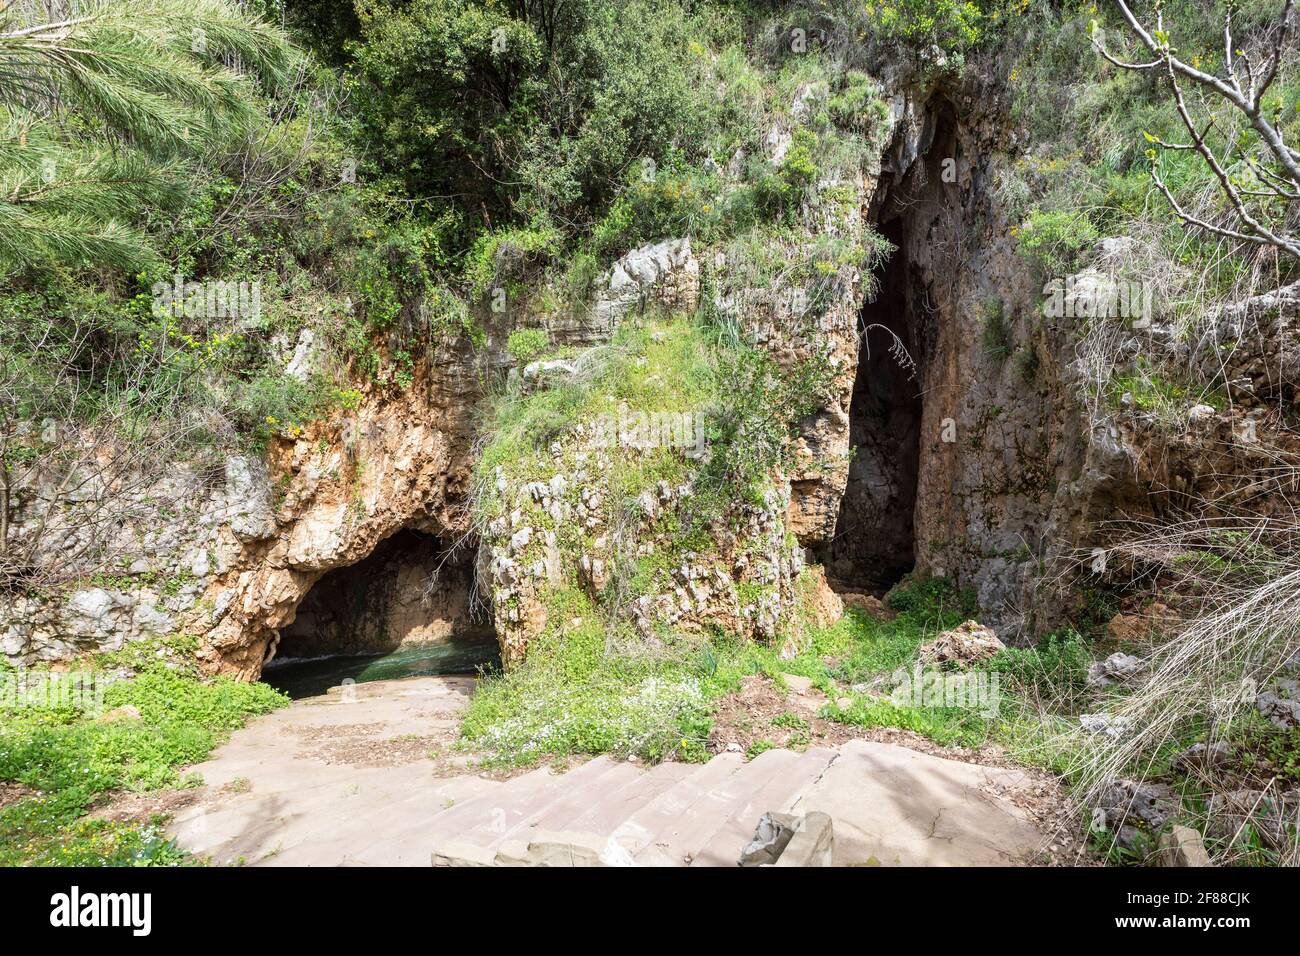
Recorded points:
104,109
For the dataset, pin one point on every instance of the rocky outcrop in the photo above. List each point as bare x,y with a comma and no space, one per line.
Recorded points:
400,461
741,578
663,273
136,554
558,528
1129,807
228,557
1118,668
1252,346
997,469
968,643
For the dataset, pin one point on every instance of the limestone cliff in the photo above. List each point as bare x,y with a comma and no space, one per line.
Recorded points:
936,444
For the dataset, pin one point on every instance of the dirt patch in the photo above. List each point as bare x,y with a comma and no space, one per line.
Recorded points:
372,752
364,745
867,603
12,792
372,745
124,807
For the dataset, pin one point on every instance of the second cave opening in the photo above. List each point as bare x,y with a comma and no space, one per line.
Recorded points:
874,544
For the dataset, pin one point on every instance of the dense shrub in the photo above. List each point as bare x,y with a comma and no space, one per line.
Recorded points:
535,111
524,345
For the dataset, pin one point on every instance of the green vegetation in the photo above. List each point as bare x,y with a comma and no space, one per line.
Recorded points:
589,684
524,345
572,696
1074,190
143,88
661,366
1054,239
1153,392
482,150
381,180
701,412
575,695
69,761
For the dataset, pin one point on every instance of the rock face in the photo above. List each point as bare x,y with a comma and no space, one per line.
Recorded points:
399,463
978,455
742,581
1254,346
228,557
742,577
664,273
822,605
167,536
1131,628
967,643
993,443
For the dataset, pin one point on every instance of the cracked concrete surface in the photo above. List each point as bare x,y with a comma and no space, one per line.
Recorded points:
898,807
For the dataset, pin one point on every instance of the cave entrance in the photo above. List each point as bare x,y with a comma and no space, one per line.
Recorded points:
404,610
874,542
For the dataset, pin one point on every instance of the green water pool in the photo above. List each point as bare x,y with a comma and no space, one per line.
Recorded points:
307,677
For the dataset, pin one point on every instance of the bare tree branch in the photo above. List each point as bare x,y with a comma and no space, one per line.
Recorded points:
1281,185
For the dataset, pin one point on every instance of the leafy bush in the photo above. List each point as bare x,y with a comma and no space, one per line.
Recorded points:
859,106
274,403
954,26
1055,239
1056,669
934,599
750,428
524,345
111,132
668,204
996,333
525,113
507,254
71,760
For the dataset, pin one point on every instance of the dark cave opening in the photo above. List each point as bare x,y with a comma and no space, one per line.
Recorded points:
874,542
406,606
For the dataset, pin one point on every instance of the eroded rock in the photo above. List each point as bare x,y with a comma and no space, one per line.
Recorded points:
1281,704
1119,668
968,643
